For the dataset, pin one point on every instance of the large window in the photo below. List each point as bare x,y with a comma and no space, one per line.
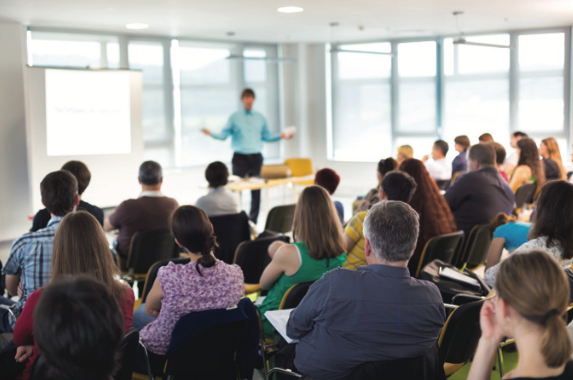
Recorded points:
437,89
187,86
362,107
476,89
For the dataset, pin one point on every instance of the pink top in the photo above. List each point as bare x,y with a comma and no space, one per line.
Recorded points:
186,291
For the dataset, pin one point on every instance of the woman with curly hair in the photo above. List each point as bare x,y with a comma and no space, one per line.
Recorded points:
435,215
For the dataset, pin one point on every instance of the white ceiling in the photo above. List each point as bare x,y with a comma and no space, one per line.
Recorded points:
258,20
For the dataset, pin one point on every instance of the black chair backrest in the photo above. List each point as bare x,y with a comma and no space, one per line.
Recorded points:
424,367
294,295
525,194
230,230
211,354
569,174
152,274
252,256
443,184
477,251
127,353
280,219
475,244
148,247
443,247
461,333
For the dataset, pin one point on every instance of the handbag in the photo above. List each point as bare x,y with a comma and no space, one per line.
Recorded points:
450,288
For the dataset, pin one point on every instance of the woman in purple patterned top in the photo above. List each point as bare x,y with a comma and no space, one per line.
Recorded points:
203,284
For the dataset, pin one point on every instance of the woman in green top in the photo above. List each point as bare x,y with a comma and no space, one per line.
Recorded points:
318,249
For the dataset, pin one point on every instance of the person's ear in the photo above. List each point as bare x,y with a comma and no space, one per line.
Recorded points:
179,244
212,229
367,247
504,308
138,180
77,200
383,196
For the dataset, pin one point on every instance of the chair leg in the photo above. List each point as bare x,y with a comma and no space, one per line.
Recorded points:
500,361
151,376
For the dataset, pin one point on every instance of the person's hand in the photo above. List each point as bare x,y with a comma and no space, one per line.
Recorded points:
23,353
425,158
206,131
286,137
490,329
20,291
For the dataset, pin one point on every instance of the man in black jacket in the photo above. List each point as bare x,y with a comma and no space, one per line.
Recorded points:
478,196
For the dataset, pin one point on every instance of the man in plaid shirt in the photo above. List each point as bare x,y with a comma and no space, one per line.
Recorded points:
28,267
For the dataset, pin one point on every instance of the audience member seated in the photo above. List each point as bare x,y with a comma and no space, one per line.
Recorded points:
373,196
478,196
439,168
532,298
396,186
219,200
318,248
507,233
552,161
513,159
485,138
435,215
83,176
460,163
404,152
552,226
78,328
500,160
28,266
80,248
375,313
529,167
329,180
151,211
203,284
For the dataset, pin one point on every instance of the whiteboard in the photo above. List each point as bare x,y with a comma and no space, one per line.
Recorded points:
92,116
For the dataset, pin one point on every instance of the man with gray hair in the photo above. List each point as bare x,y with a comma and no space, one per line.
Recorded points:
377,312
150,211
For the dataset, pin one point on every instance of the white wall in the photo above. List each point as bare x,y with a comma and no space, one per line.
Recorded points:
14,180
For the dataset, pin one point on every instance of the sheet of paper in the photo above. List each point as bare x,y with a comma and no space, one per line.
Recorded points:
260,300
290,131
279,320
452,274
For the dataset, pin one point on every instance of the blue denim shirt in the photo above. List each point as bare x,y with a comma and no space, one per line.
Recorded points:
248,129
375,313
30,257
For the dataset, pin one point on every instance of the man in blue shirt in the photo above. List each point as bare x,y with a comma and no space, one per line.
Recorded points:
248,129
378,312
28,266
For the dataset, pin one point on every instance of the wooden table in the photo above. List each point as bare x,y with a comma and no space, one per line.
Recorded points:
260,184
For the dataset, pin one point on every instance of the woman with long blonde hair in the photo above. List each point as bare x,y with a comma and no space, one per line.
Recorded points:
318,248
552,161
80,248
532,297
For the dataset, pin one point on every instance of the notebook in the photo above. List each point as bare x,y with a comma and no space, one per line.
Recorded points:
279,320
459,277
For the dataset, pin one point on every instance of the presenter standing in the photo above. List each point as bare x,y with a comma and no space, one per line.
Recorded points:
249,129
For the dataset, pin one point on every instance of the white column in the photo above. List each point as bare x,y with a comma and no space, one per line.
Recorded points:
15,203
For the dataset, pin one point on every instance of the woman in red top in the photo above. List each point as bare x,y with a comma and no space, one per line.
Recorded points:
80,247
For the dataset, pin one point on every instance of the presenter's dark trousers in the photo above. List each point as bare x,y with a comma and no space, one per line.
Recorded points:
249,165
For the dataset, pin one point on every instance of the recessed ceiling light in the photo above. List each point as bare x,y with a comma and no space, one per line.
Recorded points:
137,26
290,9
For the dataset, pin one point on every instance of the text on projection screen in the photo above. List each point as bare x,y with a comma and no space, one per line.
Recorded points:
87,112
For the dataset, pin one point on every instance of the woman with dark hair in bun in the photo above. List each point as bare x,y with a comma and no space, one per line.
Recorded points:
204,284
